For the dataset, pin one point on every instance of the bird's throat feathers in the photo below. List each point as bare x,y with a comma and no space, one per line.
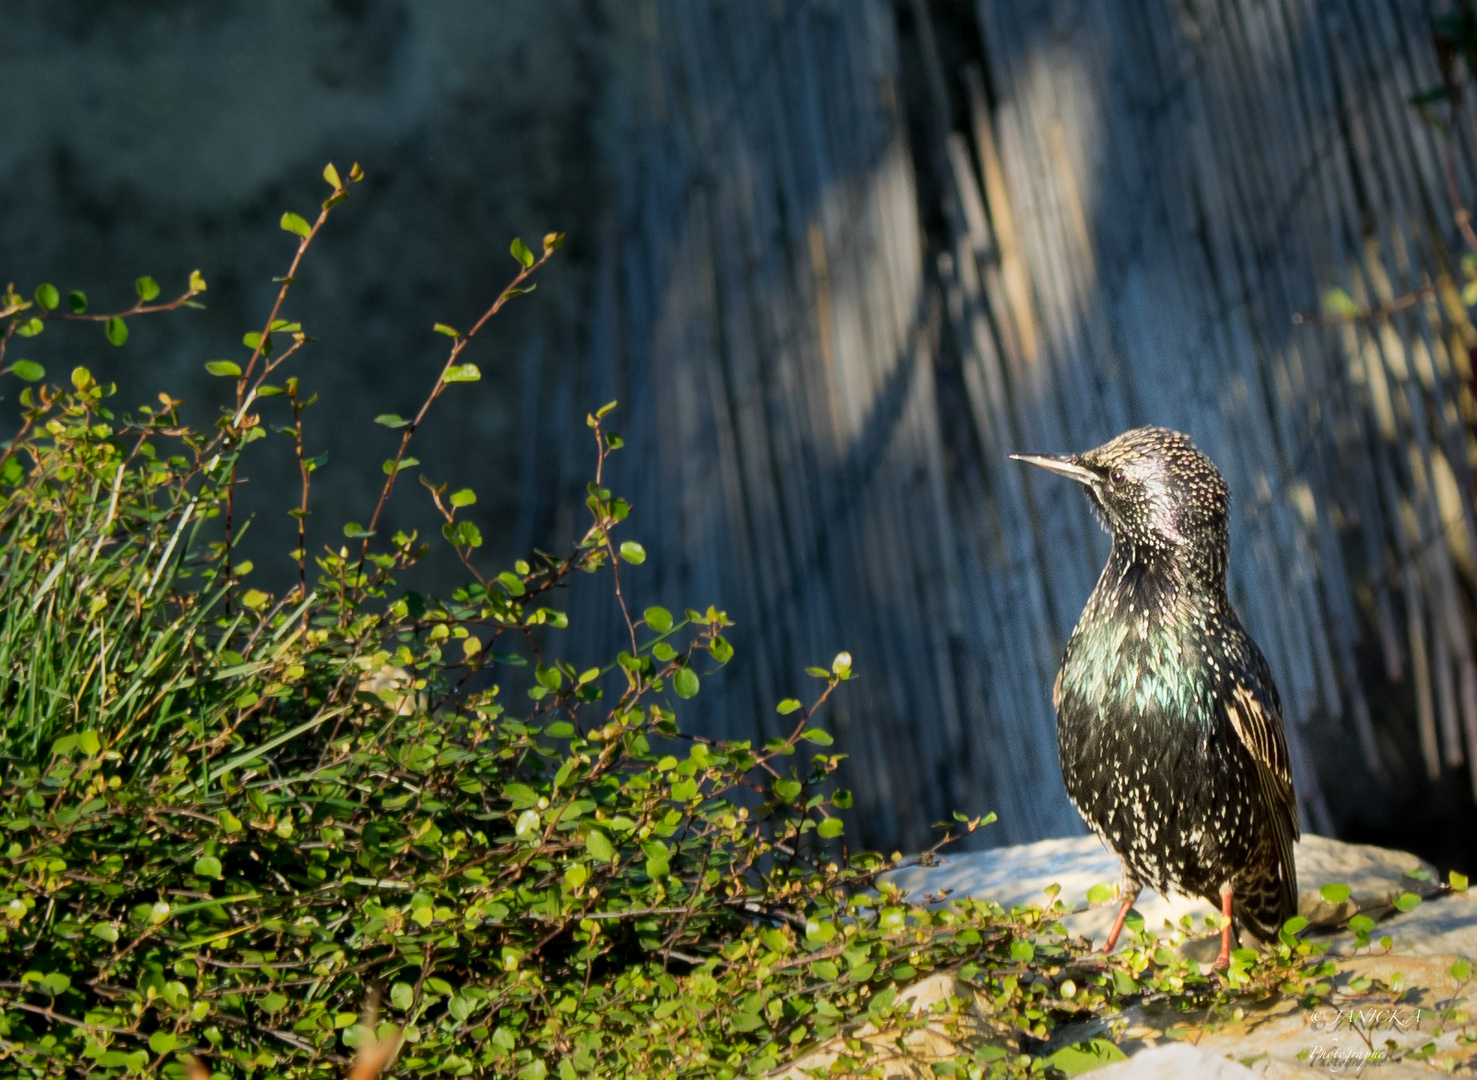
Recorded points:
1140,645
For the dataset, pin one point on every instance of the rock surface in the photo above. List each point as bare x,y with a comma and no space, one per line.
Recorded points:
1173,1062
921,1047
1020,874
1356,1033
1400,1011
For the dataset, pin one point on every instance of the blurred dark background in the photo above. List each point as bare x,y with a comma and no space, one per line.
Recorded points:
837,258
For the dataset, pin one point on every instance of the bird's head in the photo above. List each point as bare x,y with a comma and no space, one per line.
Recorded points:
1154,490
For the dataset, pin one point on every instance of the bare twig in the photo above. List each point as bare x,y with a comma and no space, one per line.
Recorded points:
305,473
1400,303
552,243
263,347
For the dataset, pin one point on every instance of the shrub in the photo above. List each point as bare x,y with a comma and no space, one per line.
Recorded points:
230,819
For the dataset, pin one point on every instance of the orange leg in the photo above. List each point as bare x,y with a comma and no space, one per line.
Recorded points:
1130,894
1223,961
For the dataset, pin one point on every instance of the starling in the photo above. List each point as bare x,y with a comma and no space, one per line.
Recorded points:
1168,723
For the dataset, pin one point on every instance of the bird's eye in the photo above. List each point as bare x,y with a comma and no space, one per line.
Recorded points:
1117,476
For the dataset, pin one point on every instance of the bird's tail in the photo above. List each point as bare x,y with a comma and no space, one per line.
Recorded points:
1264,902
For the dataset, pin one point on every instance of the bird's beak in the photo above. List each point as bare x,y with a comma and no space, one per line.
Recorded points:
1064,464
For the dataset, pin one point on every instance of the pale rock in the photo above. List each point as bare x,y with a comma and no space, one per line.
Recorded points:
1175,1061
960,1024
1282,1040
1019,875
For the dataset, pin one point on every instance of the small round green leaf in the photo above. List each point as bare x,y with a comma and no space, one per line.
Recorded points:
77,299
1084,1057
521,253
1339,303
633,552
658,618
224,368
464,497
1335,893
296,225
467,534
208,866
1100,893
786,707
462,373
819,736
55,982
147,288
1407,901
117,330
685,682
599,846
28,370
162,1042
830,827
47,297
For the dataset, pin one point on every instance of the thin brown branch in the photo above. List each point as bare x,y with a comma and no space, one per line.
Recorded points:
514,288
140,308
304,473
1384,311
59,1018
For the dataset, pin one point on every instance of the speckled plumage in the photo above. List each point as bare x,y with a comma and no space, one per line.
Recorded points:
1168,722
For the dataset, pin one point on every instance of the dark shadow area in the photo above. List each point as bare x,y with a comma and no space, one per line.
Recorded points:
149,138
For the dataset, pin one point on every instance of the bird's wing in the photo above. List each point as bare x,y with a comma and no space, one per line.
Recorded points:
1256,717
1260,730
